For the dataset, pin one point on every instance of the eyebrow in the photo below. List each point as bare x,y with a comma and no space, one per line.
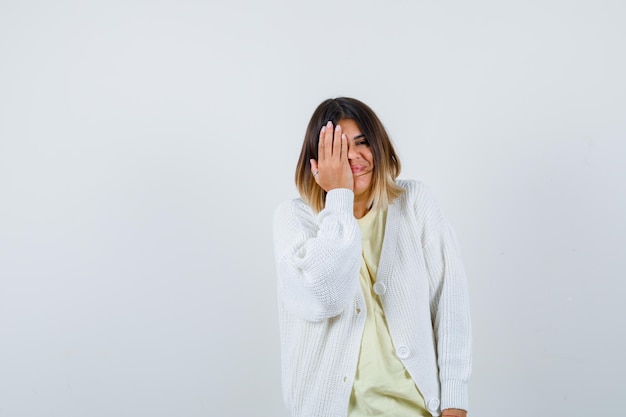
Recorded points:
358,136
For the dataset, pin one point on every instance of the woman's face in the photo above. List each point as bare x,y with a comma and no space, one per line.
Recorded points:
360,157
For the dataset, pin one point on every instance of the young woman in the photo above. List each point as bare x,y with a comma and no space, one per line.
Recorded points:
373,300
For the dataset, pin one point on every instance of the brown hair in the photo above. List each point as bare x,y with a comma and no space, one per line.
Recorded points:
386,163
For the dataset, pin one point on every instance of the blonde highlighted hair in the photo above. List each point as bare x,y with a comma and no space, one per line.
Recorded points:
386,162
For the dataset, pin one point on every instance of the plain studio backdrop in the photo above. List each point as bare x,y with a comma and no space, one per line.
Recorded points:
145,145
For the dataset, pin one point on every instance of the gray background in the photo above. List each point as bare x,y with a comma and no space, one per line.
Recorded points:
144,146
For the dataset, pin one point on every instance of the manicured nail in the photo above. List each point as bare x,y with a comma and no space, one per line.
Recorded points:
337,128
329,124
343,136
323,129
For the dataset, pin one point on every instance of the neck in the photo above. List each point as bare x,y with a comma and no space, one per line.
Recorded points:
360,206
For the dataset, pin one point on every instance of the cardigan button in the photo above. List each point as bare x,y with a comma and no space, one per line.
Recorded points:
403,352
379,288
433,404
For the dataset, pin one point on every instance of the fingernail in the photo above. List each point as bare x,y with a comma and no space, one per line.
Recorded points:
311,161
337,128
323,129
343,136
329,124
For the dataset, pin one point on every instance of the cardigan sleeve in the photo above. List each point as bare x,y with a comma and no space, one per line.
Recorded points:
449,303
317,256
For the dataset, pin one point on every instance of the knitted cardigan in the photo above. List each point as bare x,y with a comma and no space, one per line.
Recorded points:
421,283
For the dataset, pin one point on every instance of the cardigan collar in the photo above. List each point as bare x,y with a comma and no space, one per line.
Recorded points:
390,240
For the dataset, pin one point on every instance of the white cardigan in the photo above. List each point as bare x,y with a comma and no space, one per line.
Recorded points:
421,283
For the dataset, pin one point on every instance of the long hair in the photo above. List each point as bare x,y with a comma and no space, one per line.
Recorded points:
386,162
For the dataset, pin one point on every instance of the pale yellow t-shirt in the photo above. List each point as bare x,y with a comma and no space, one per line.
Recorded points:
382,385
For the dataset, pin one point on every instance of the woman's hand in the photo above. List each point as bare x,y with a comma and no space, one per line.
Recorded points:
453,412
332,169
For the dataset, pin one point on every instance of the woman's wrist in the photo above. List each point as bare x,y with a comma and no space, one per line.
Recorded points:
453,412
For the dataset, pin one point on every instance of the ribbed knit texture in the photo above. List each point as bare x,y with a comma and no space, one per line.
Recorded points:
425,301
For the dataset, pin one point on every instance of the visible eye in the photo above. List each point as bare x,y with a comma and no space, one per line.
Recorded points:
362,142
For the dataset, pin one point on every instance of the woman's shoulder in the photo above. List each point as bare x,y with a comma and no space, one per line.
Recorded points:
415,190
420,199
292,207
410,184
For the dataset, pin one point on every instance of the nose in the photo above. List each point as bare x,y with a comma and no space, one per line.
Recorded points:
352,154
